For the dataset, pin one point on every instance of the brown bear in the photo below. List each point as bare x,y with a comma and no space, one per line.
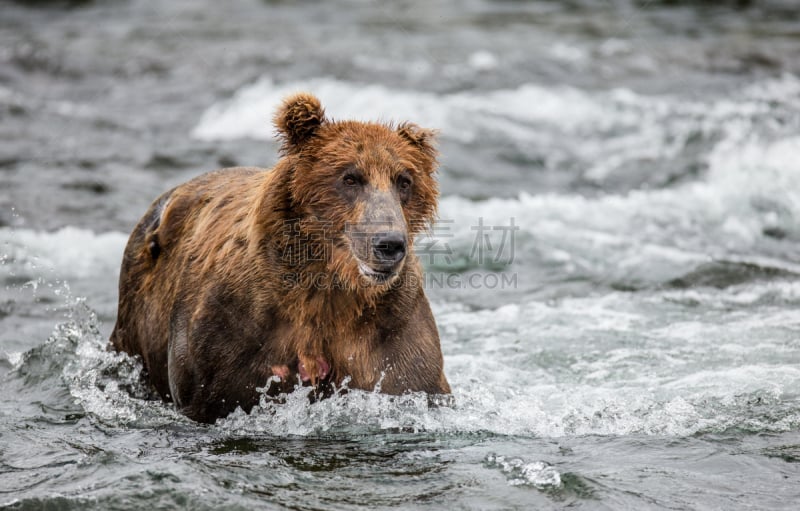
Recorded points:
302,273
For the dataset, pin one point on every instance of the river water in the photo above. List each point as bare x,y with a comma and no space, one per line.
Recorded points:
615,273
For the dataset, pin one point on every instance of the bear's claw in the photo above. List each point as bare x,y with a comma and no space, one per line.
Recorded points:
322,369
281,372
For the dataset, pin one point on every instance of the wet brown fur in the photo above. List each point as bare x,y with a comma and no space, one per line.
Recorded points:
211,303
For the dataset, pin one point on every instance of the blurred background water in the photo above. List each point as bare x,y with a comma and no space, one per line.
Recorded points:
636,346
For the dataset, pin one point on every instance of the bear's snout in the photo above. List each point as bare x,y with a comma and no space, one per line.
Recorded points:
389,248
379,240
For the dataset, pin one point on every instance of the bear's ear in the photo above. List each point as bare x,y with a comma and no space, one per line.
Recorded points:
422,138
297,119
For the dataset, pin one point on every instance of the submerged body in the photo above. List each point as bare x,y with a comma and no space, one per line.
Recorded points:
301,272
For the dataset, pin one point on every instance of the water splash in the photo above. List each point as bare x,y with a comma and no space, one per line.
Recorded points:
488,398
520,473
347,411
107,384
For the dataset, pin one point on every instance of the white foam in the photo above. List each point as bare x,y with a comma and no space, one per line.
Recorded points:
654,235
249,112
538,473
604,130
14,358
461,116
69,252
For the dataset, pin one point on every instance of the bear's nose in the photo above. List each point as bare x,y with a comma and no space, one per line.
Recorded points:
389,247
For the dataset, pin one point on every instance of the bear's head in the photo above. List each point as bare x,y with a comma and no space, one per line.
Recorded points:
359,192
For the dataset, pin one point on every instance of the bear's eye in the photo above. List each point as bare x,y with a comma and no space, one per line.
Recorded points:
403,183
351,180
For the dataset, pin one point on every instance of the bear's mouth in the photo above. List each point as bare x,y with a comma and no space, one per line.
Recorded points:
380,275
